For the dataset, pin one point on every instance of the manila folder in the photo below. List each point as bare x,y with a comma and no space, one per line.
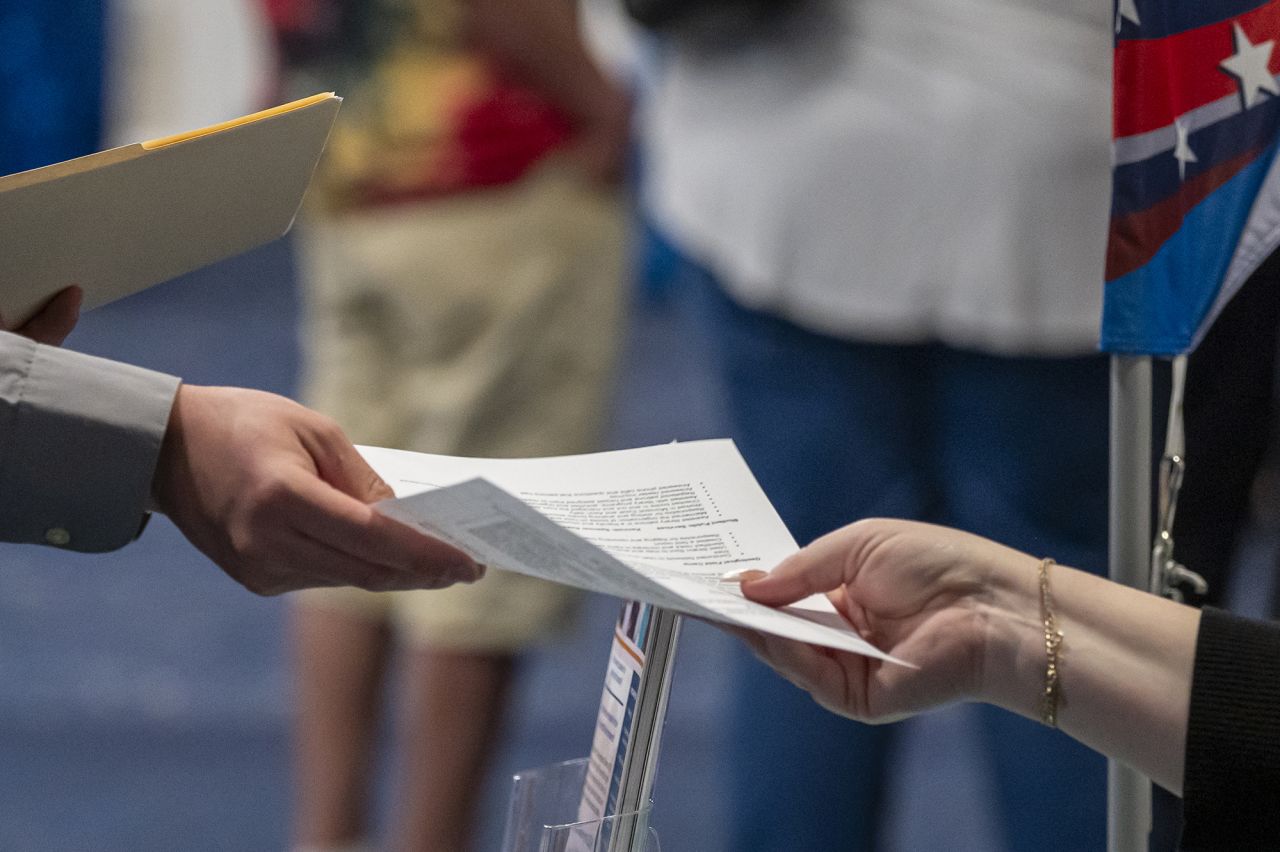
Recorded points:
122,220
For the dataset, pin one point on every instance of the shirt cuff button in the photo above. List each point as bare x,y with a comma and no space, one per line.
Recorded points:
57,536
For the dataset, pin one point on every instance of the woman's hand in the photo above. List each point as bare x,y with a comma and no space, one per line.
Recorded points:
938,598
966,612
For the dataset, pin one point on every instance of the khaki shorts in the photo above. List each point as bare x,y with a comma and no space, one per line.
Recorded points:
486,325
502,613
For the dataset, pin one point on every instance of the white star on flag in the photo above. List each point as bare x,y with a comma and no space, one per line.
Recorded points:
1249,65
1127,9
1181,150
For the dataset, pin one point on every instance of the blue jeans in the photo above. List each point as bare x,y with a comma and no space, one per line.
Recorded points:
1010,448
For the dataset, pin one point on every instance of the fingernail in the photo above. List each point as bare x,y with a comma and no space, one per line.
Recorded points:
742,575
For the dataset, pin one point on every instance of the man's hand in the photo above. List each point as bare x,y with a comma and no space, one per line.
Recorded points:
276,495
54,321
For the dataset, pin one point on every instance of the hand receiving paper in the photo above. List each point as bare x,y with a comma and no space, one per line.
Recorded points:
919,592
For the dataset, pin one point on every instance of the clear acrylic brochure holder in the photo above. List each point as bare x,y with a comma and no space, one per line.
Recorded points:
543,814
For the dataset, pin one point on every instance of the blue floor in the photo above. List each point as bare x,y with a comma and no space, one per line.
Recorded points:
144,696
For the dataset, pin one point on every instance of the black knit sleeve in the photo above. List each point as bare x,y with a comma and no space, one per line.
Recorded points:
1231,786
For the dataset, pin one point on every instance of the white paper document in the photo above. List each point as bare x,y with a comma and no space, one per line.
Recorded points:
656,524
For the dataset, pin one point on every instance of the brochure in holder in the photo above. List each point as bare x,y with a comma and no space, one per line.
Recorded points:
602,803
542,815
633,708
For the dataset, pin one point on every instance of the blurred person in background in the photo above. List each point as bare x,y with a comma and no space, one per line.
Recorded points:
461,263
892,218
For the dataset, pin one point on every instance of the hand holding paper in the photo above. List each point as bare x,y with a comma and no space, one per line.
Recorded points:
277,496
972,615
920,592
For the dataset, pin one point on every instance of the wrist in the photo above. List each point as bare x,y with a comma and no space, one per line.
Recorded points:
1014,659
170,454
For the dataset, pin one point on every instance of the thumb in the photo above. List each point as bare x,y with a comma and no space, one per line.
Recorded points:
374,488
361,481
816,569
342,466
56,319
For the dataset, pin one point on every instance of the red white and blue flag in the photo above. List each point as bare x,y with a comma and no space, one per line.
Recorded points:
1196,201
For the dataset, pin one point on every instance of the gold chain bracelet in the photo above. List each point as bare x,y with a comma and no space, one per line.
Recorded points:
1052,649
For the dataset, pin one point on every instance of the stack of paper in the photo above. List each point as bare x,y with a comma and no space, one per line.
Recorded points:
657,524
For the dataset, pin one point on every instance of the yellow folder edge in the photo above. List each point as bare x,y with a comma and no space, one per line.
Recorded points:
236,122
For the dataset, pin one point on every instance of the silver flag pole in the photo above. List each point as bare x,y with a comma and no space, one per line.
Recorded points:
1129,536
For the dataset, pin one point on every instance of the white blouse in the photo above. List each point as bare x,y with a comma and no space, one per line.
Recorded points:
899,170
